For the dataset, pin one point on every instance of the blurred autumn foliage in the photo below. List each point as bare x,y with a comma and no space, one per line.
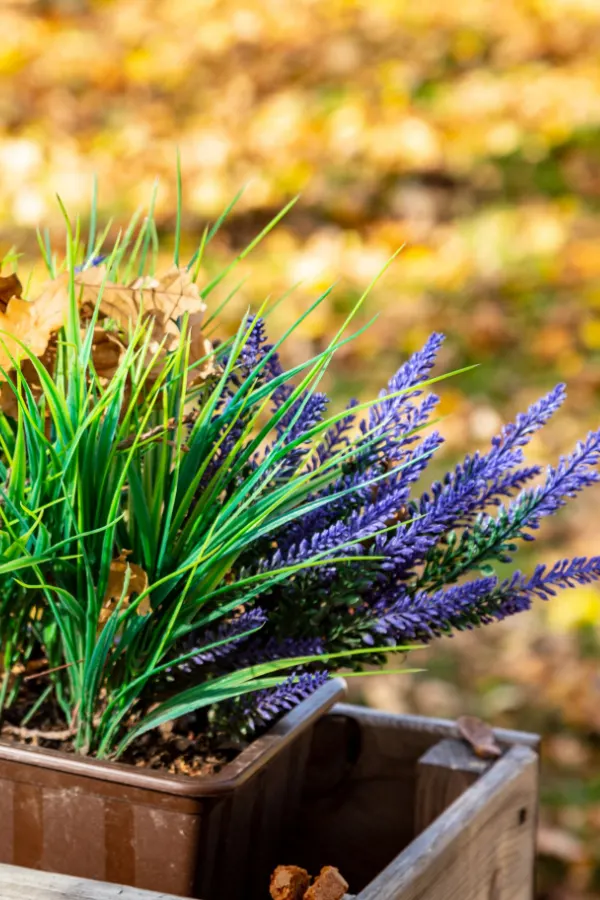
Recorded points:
468,132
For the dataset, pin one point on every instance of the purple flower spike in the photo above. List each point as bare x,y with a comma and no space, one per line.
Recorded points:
263,706
402,555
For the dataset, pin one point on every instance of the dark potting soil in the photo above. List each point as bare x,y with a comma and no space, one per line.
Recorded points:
178,753
174,747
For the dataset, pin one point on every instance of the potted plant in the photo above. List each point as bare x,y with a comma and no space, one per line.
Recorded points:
191,544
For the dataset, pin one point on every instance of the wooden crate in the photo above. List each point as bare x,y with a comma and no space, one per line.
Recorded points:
400,804
407,811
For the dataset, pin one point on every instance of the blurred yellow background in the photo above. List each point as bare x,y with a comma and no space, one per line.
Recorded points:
468,132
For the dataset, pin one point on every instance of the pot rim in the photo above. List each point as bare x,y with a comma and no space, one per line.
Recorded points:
254,757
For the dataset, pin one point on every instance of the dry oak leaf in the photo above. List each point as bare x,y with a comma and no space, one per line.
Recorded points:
107,353
138,582
10,287
172,295
168,297
124,305
8,399
32,322
200,350
118,301
162,299
480,736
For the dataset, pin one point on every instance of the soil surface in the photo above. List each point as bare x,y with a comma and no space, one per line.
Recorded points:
179,753
174,747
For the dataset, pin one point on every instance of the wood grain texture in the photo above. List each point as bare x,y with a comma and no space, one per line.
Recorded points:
444,773
426,730
28,884
481,848
362,779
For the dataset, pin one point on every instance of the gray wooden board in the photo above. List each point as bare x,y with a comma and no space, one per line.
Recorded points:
425,730
29,884
480,848
363,778
444,773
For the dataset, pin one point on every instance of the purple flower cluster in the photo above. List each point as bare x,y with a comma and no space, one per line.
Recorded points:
259,651
377,560
89,263
450,529
264,706
396,414
227,637
483,600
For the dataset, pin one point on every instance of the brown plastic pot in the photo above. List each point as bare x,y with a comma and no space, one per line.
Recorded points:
217,837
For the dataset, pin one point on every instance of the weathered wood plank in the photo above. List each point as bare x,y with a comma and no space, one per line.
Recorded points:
425,730
28,884
362,778
444,773
481,848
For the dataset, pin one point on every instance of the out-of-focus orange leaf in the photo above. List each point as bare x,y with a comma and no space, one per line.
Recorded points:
560,844
10,286
31,323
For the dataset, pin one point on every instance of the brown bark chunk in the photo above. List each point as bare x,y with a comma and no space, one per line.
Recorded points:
329,885
289,883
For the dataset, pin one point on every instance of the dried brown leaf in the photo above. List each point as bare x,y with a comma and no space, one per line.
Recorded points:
107,353
172,295
166,298
10,287
138,582
8,400
200,349
32,322
161,300
480,736
49,311
118,302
